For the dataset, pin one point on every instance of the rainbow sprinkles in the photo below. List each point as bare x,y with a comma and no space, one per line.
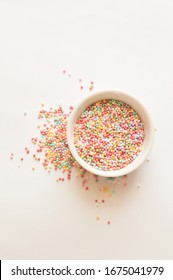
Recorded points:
109,135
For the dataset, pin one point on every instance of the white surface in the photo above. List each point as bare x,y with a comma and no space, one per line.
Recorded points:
123,45
137,106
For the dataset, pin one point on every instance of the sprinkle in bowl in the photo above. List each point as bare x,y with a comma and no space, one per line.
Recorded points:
110,133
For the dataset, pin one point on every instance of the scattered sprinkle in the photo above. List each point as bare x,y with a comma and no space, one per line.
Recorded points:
52,151
53,141
11,156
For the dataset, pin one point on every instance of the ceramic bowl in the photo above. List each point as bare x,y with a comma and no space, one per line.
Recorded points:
137,106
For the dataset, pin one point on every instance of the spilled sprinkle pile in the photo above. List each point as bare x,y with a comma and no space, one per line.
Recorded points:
52,151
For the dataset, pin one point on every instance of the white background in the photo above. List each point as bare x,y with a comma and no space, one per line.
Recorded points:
124,45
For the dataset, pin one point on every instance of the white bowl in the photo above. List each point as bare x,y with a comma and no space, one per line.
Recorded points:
137,106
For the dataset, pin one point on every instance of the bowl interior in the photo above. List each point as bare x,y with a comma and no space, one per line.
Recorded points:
137,106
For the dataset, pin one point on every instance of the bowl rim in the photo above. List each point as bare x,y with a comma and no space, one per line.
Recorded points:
75,115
